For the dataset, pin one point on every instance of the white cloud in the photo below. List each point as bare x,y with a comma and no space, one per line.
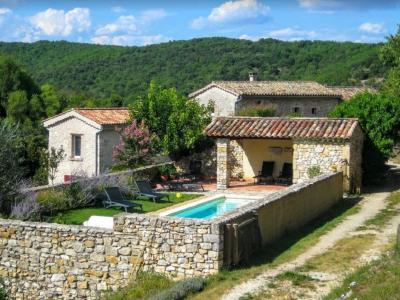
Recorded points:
125,40
347,4
129,30
373,28
293,34
52,22
5,10
233,11
118,9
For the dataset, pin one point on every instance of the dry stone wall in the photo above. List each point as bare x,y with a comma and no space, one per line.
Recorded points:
51,261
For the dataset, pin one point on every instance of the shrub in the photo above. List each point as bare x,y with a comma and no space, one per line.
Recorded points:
52,200
3,294
313,171
181,289
257,111
26,207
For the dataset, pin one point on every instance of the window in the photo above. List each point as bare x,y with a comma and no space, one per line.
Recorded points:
296,109
314,111
76,145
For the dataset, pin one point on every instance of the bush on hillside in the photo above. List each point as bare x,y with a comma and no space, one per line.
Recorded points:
3,294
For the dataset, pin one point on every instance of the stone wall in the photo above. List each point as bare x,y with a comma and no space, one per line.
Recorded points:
51,261
285,105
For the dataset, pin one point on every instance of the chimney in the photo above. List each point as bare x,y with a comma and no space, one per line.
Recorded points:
252,76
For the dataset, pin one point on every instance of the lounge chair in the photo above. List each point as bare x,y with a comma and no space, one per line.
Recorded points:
266,172
144,189
286,175
116,199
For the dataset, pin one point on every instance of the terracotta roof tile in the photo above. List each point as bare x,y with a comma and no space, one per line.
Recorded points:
105,116
281,128
271,88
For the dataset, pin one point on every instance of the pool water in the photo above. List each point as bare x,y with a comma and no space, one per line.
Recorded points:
210,209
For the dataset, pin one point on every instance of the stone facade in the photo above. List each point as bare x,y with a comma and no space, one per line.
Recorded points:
284,106
96,148
223,172
227,104
330,156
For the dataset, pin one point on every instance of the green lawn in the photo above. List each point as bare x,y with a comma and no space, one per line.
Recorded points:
80,215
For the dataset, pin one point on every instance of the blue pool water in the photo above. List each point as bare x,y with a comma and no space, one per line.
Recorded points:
210,209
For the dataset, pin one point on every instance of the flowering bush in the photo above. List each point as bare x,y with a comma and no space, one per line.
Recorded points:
136,147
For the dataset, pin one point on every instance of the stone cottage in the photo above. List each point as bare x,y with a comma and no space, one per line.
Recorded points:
306,98
87,136
329,144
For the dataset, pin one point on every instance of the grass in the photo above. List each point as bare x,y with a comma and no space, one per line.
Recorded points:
387,213
341,256
80,215
284,250
296,278
378,280
144,286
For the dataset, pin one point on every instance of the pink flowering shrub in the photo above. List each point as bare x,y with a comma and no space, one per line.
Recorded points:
136,147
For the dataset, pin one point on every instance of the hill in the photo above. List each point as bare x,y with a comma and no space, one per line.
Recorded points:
188,65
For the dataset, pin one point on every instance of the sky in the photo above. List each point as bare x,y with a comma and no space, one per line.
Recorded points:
144,22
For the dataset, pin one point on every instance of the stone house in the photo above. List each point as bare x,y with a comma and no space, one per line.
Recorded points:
87,136
307,98
330,144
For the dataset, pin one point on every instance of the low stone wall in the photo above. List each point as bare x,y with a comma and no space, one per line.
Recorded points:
52,261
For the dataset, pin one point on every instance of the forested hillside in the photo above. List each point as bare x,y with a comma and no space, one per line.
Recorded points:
188,65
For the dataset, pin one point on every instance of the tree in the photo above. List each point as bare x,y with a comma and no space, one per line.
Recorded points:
136,147
18,106
51,160
11,172
390,55
177,121
379,117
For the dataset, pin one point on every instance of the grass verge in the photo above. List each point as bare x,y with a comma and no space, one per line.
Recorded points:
282,251
341,256
378,280
80,215
387,213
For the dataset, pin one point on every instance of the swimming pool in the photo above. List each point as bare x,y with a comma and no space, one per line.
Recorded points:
210,208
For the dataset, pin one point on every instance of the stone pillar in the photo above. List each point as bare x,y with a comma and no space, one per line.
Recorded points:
223,173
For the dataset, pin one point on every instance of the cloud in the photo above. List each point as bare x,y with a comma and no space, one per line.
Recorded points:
125,40
118,9
130,29
293,34
373,28
52,22
233,11
5,10
347,4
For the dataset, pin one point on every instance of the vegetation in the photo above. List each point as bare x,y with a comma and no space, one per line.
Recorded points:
313,171
181,289
145,285
295,277
112,71
379,117
136,146
177,121
284,250
378,280
257,112
390,55
79,215
3,294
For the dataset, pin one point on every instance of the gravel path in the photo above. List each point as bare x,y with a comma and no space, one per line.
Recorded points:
370,206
